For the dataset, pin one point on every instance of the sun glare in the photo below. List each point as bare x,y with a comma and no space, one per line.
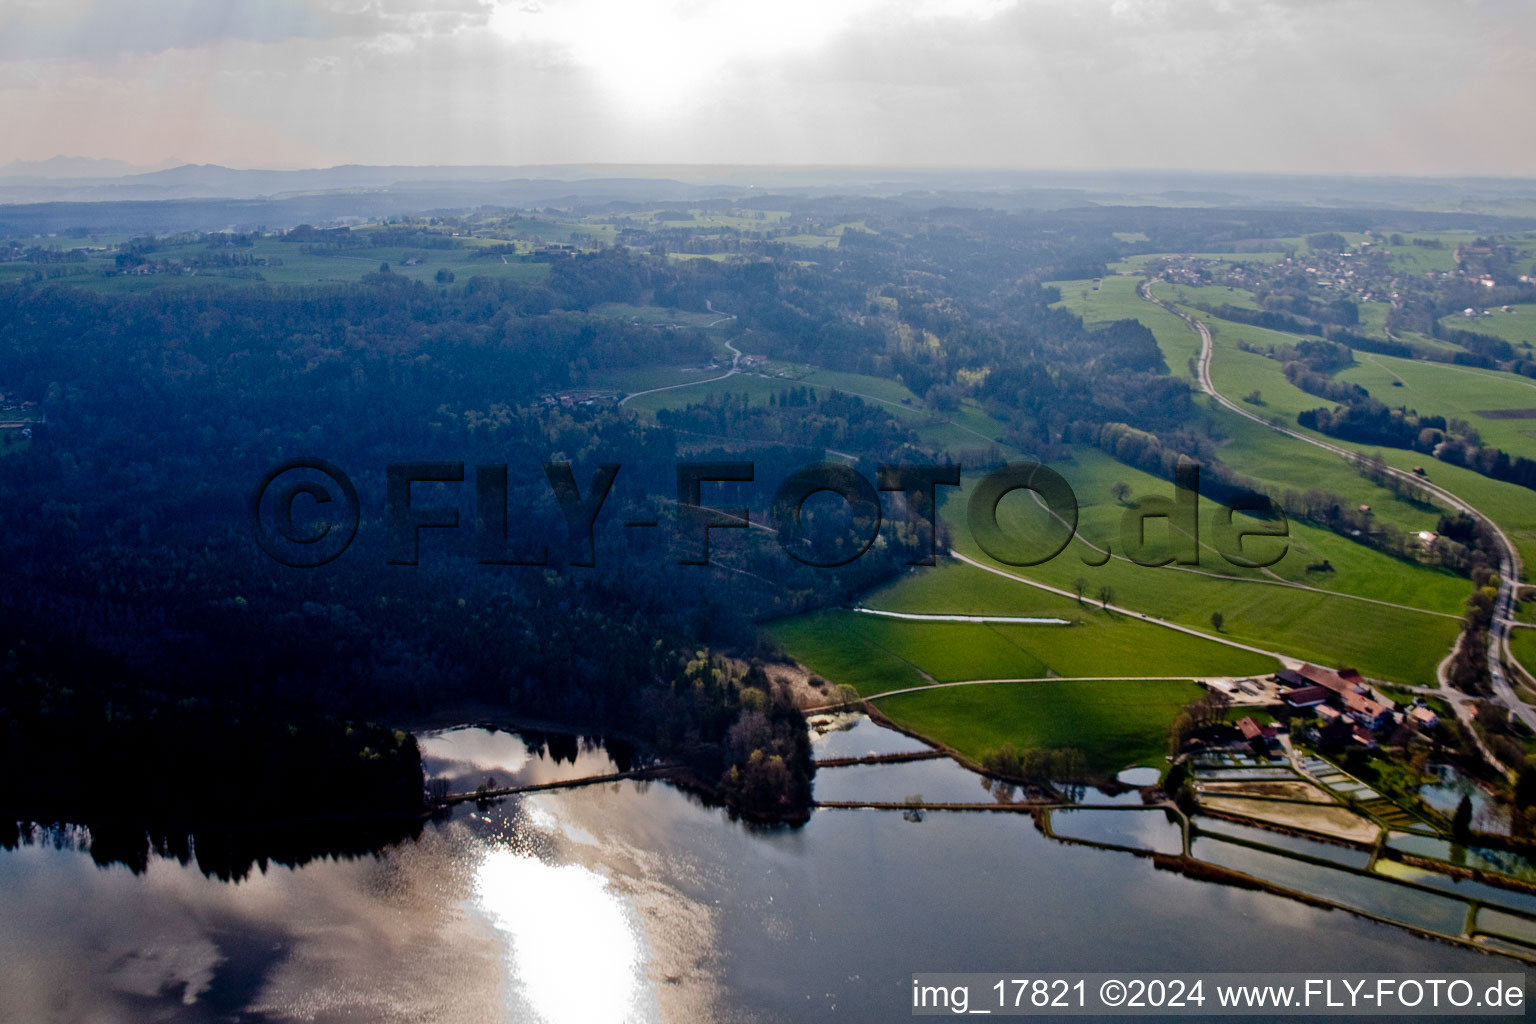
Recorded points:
573,953
662,54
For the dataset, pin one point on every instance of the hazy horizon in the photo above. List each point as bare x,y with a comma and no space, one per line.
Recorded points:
696,169
1226,86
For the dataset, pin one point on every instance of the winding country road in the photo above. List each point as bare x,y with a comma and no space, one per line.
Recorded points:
1509,559
735,364
1021,620
930,687
1284,659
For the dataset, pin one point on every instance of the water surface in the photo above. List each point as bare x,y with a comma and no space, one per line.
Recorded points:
632,901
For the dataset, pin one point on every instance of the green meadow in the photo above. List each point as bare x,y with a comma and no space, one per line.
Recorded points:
757,389
286,263
1517,327
1237,373
1210,296
1325,625
1114,723
875,654
1522,644
1115,298
1460,391
760,385
660,316
1267,250
1322,624
1283,464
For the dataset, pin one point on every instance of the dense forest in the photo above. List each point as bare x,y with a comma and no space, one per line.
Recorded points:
138,607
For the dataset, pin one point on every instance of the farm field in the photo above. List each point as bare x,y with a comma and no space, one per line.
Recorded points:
1285,464
700,218
967,434
1357,570
1324,627
1237,373
811,241
1270,250
1517,327
660,316
1522,644
1416,259
1384,641
1115,298
1102,643
848,660
1114,723
758,385
643,378
1274,460
1210,296
1460,391
288,264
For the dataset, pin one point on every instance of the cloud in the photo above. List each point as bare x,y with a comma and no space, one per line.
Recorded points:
1408,86
101,28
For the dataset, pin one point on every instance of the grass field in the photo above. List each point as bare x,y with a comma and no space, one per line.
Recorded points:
1416,259
874,654
1516,327
659,316
1115,298
643,378
759,385
1274,460
1389,642
1237,373
810,241
847,659
1114,724
755,387
1285,464
1210,296
1522,644
1461,391
1273,249
287,264
1384,641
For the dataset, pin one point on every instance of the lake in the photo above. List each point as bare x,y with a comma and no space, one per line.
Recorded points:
632,901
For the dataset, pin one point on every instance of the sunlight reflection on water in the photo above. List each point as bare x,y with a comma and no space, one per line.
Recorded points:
573,952
482,749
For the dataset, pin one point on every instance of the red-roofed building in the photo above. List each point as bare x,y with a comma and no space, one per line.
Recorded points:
1328,679
1305,696
1372,714
1344,688
1253,732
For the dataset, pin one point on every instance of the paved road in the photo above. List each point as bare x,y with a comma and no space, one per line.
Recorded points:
735,364
1023,620
1143,616
1509,558
1031,679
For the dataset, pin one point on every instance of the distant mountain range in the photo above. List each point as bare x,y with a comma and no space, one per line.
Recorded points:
78,193
57,167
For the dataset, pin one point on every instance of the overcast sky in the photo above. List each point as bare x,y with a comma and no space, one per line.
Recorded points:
1398,86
